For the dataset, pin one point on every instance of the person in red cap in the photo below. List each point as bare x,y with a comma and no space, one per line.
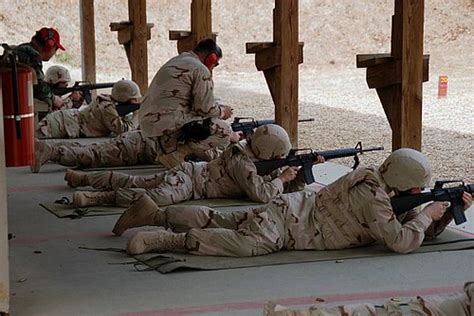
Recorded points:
42,47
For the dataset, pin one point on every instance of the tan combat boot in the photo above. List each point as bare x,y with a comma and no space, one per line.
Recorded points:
155,241
88,198
43,153
142,212
76,179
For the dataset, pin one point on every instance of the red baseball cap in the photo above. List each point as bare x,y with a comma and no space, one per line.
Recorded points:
48,33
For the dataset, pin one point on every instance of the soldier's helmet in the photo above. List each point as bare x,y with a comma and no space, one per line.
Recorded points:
124,90
270,141
406,168
56,74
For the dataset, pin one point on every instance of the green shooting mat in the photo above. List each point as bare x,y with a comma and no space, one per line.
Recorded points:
70,211
450,240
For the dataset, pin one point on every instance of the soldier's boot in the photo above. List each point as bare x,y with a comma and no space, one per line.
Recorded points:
88,198
156,241
76,179
142,212
178,156
43,153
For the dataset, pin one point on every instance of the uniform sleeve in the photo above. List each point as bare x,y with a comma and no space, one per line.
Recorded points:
203,95
112,120
372,206
257,188
41,90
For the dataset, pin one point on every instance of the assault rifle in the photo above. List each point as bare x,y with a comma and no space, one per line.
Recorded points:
83,86
405,203
248,126
125,108
306,160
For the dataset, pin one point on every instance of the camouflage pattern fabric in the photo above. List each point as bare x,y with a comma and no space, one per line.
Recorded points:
98,119
130,148
31,57
69,103
232,175
181,92
353,211
460,304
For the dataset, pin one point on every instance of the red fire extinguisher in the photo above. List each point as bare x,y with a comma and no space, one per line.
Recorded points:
18,114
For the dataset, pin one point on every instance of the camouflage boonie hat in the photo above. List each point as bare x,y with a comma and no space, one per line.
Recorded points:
270,141
406,168
124,90
56,74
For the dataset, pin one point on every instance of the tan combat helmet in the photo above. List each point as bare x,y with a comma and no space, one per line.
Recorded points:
124,90
270,141
406,168
56,74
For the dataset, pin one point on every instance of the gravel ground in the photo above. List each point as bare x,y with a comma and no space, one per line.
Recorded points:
346,113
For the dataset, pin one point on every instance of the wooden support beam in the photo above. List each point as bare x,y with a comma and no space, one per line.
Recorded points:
390,73
201,19
412,73
279,62
138,44
86,11
399,76
201,27
286,85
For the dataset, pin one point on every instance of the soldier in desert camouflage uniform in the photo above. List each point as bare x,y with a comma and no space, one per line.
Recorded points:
59,77
181,97
100,118
353,211
42,47
231,175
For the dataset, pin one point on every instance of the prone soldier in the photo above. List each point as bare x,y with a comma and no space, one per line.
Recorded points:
59,77
100,118
231,175
353,211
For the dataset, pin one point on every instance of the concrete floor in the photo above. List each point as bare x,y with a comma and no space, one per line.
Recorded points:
50,275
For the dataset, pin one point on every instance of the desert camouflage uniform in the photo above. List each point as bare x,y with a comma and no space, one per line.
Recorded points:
99,119
182,92
69,103
459,304
353,211
130,148
232,175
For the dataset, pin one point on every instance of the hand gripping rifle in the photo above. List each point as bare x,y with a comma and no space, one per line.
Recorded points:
405,203
250,124
85,87
306,161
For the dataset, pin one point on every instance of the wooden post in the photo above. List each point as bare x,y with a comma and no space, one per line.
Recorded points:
286,84
412,73
201,26
138,43
398,76
279,62
88,40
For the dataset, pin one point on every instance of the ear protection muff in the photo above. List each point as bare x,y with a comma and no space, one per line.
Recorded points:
48,37
211,60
